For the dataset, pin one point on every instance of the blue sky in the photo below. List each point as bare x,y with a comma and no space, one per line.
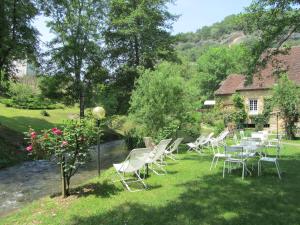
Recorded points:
194,14
198,13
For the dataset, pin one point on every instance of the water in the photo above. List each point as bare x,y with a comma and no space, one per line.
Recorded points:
32,180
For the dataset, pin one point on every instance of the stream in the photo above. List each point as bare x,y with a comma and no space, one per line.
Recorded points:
32,180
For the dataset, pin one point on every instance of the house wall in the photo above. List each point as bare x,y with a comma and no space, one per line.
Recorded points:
226,100
255,94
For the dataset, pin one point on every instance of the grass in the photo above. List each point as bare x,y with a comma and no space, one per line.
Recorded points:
13,122
20,119
189,194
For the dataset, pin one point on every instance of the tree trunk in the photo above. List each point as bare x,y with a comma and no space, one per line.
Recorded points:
81,101
63,177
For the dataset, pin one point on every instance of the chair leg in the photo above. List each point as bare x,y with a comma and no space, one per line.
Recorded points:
216,162
141,180
243,173
224,165
278,170
212,162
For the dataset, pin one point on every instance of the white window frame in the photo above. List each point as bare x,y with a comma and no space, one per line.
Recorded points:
253,106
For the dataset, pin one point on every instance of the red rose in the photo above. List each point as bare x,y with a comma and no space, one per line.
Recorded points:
29,148
33,135
56,131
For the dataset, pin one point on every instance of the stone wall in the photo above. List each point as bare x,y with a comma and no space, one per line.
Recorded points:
260,95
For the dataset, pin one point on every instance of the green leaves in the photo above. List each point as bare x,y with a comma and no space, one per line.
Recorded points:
162,100
216,63
287,99
18,39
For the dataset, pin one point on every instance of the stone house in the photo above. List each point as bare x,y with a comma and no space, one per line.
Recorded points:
256,93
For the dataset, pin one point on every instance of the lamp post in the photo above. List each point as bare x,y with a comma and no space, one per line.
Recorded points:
98,113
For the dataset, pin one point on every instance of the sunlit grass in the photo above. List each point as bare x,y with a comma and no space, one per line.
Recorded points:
21,119
189,194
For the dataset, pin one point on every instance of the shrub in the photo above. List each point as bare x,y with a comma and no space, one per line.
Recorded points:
44,113
25,96
287,99
162,97
70,145
219,127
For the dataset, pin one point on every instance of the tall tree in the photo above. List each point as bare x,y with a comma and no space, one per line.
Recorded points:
216,63
18,39
137,34
76,51
273,22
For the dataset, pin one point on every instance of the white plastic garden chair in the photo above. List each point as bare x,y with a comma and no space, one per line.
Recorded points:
237,157
221,137
270,159
155,157
149,143
216,145
172,148
194,145
134,162
242,134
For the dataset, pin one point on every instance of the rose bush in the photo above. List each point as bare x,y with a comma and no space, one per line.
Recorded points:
70,145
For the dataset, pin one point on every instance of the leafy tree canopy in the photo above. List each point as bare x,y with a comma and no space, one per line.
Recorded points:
216,63
162,98
18,38
273,22
286,97
76,49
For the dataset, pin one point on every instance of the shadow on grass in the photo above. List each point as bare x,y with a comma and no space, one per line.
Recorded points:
214,200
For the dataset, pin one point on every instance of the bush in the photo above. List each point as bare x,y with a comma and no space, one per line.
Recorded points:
25,96
161,98
45,113
219,127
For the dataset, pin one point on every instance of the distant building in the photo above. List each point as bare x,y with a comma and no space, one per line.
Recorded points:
23,68
261,88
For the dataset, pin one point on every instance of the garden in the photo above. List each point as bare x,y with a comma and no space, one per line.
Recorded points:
116,120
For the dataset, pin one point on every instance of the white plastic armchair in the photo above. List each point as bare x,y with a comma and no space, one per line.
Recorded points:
134,162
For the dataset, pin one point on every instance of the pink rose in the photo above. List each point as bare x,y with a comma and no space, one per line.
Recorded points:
56,131
33,135
29,148
64,143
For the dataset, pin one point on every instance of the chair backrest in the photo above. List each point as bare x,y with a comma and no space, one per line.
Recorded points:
235,139
173,147
135,160
223,135
235,152
242,134
159,150
200,139
149,143
208,138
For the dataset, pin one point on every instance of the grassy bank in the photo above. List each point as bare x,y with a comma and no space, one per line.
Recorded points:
189,194
20,119
13,122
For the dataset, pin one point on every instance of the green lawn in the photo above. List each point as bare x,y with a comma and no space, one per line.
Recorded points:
189,194
21,119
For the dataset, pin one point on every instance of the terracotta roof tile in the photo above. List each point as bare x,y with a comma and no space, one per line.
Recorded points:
231,84
265,79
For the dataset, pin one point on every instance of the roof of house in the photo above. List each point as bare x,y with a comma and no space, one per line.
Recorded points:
265,79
